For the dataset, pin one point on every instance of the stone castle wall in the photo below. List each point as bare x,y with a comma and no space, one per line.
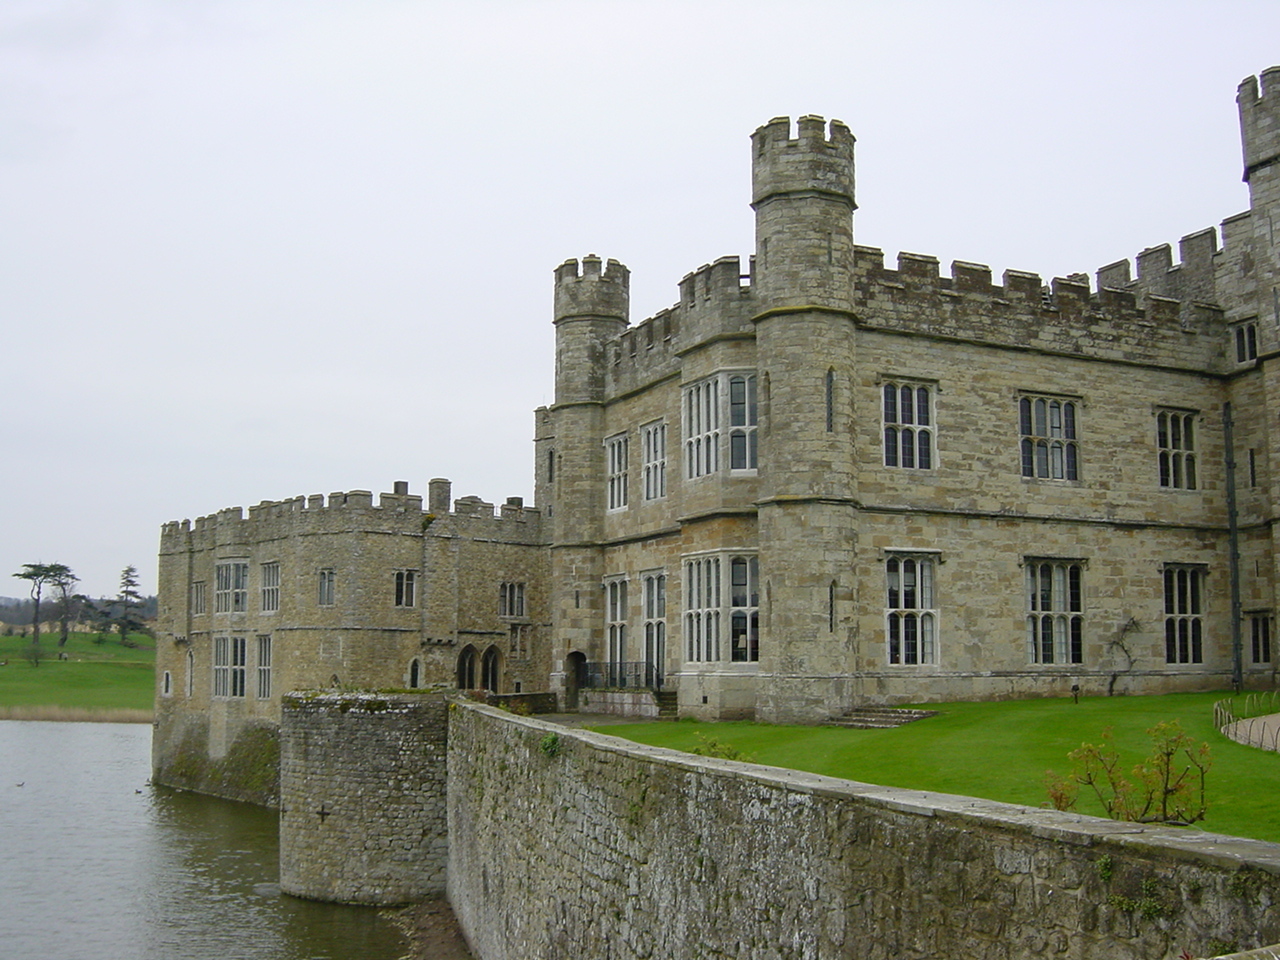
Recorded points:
362,797
567,844
361,637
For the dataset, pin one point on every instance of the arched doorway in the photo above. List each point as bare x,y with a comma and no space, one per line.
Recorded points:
491,670
575,678
467,668
415,673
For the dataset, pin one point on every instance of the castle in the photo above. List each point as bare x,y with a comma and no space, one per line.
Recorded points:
814,482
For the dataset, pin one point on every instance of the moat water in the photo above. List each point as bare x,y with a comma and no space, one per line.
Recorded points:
97,865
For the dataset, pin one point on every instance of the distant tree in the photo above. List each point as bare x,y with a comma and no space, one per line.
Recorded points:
40,575
128,604
64,580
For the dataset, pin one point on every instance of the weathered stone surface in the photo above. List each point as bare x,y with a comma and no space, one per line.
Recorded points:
362,797
566,844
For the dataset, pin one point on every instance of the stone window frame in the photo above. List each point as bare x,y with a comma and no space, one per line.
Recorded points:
721,619
1055,610
199,595
406,589
617,618
1244,336
653,612
166,684
191,673
729,397
239,666
912,620
326,587
703,591
617,453
1176,430
511,599
653,446
1260,632
700,406
1183,594
909,437
1049,436
744,420
231,586
221,668
744,608
269,586
264,652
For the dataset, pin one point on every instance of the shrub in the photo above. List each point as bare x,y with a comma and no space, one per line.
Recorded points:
1166,787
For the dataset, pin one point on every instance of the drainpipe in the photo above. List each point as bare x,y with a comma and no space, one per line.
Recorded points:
1233,530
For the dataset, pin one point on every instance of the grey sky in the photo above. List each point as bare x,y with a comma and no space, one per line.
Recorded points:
250,250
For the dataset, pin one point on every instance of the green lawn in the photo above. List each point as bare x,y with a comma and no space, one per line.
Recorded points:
1001,751
104,676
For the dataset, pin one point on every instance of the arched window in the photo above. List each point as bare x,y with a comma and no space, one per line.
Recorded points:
491,669
467,668
415,673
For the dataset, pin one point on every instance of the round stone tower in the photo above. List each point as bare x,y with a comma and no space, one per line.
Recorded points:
591,308
805,338
802,193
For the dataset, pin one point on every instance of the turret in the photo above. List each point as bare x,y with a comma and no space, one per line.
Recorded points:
802,193
591,308
1260,134
1260,120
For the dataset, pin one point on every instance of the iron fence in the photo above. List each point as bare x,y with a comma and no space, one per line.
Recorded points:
620,676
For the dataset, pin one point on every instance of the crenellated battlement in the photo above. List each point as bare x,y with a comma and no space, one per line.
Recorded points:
712,286
819,159
1258,99
592,292
1121,320
350,510
716,299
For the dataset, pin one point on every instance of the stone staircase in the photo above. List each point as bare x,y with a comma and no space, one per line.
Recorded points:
666,700
879,718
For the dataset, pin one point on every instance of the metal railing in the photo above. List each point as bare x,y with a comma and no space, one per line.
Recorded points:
620,676
1245,720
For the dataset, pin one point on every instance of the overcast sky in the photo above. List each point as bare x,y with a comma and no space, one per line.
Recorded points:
251,249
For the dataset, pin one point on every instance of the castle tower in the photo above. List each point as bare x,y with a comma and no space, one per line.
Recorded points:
1259,104
804,202
591,308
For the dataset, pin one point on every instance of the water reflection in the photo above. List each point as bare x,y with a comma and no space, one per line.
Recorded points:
96,865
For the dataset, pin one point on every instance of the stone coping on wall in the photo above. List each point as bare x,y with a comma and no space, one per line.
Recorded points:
1078,829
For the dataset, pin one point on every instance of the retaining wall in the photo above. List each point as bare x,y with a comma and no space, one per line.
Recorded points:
568,844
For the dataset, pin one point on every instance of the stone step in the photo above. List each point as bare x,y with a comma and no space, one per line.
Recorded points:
668,702
880,718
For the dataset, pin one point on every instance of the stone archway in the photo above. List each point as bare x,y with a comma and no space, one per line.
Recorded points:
575,678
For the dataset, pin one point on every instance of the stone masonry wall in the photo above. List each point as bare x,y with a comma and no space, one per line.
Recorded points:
567,844
362,788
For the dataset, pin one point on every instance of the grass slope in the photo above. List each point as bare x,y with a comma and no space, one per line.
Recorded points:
1001,751
95,677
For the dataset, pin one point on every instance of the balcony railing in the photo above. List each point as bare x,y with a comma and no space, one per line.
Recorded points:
620,676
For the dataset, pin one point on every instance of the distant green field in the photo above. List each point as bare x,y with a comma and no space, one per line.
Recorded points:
1001,751
94,677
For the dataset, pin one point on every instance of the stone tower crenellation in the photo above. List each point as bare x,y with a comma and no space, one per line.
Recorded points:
802,193
591,308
